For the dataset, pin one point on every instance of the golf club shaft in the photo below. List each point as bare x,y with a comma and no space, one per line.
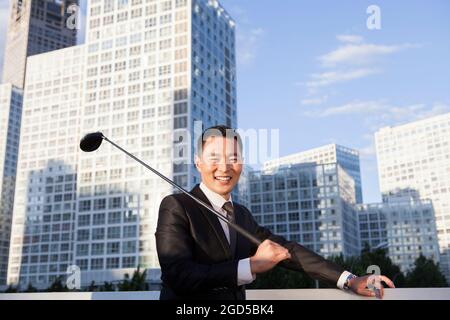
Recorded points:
236,227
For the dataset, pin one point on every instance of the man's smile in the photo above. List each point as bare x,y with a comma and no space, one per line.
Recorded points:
222,178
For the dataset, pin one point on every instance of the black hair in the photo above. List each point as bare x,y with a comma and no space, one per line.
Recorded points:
218,131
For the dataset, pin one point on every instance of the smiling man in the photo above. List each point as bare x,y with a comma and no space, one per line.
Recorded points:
202,258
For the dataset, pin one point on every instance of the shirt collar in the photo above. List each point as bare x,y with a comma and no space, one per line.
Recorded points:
216,199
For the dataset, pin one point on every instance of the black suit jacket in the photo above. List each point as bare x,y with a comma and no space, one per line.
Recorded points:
195,257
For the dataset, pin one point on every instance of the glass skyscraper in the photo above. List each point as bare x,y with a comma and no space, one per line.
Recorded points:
10,115
35,26
347,158
312,204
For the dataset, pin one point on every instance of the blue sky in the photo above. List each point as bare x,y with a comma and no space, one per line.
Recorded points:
313,70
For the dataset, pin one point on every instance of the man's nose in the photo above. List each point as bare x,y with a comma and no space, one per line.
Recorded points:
223,165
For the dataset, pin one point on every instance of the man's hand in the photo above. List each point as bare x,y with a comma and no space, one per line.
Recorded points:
268,255
370,285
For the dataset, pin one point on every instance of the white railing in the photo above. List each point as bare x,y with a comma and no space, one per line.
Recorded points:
288,294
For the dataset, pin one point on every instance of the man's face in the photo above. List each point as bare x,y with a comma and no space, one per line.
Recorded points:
220,164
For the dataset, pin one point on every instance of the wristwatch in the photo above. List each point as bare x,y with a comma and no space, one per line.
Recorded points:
347,281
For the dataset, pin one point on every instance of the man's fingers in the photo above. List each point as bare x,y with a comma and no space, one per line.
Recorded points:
387,281
283,256
366,292
280,252
276,245
284,253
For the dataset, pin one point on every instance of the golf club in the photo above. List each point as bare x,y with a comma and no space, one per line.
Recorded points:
92,141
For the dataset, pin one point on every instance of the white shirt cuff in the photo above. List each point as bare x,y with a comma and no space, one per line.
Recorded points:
342,279
245,275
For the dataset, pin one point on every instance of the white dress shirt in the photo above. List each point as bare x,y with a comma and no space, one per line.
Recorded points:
245,275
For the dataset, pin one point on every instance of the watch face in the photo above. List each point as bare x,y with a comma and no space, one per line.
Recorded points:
347,282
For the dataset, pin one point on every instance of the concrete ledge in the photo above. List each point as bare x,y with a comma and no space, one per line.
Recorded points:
290,294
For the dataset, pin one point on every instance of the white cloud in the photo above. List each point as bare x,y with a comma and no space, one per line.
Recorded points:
362,53
248,36
379,113
239,14
350,38
314,101
248,42
355,107
368,151
331,77
352,59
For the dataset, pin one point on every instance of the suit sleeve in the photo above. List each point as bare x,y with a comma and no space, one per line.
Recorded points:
175,247
302,259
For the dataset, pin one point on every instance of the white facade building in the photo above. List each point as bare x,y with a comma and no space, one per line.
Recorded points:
414,163
33,27
45,199
406,229
10,115
347,158
148,71
310,204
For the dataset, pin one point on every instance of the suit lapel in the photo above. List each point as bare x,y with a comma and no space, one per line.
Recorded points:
213,220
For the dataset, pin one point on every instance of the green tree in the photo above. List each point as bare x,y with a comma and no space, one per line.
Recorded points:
11,289
380,258
57,286
30,288
136,283
426,274
124,285
107,286
92,287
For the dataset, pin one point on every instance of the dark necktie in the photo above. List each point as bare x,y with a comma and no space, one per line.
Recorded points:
228,207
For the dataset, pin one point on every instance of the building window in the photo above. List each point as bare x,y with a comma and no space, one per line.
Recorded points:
97,264
113,248
113,232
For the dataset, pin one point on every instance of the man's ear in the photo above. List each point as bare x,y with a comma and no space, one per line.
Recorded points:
197,163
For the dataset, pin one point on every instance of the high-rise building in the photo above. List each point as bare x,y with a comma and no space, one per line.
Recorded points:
347,158
406,229
10,114
414,163
147,72
312,204
34,26
45,205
